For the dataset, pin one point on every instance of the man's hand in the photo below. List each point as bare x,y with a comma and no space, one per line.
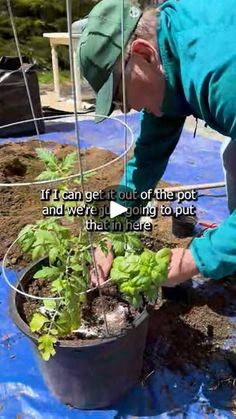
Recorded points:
104,264
182,267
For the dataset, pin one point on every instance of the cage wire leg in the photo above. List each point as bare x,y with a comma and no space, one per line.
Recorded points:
77,135
122,4
124,88
24,78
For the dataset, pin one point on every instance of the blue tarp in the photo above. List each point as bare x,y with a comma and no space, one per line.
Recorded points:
168,392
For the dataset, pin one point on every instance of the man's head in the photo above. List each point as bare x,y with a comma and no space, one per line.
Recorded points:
101,59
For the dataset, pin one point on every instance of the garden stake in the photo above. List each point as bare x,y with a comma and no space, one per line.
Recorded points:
77,135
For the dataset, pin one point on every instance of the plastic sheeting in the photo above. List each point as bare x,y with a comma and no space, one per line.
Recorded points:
167,393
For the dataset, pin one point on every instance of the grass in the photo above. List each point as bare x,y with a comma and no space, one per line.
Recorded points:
46,77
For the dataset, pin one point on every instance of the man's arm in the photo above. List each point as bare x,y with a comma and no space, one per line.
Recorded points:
215,253
157,140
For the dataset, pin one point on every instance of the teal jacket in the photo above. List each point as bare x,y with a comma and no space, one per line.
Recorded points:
196,40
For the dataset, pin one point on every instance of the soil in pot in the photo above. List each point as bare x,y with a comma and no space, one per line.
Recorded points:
119,314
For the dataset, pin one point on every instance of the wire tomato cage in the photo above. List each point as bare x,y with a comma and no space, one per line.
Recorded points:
81,174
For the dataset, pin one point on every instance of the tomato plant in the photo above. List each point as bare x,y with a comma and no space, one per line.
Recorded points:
138,272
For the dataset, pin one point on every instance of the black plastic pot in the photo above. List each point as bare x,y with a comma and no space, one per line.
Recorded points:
94,375
14,102
184,226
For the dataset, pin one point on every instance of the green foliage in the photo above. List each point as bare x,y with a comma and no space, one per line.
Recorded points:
67,272
46,346
45,237
37,322
32,19
57,168
139,277
68,321
139,273
46,77
125,243
69,260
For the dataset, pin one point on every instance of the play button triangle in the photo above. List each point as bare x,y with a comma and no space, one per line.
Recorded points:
116,209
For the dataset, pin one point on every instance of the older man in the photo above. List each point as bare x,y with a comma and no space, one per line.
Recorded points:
180,60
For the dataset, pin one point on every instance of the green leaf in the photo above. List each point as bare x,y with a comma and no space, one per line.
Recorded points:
53,253
87,256
82,298
25,230
47,272
118,247
69,161
37,322
163,253
37,252
63,324
27,246
147,257
140,275
54,332
57,285
47,175
76,267
49,304
45,237
131,264
134,242
118,276
47,156
103,246
46,346
75,317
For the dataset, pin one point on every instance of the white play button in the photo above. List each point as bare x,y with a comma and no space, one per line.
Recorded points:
116,209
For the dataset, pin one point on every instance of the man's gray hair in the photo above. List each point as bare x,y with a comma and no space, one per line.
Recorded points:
146,28
147,25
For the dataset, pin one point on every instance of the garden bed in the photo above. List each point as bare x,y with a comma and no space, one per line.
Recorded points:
21,205
192,328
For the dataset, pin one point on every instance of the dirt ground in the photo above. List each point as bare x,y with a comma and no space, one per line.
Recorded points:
190,330
21,205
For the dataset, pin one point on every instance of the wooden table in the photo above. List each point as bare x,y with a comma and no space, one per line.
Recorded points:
62,38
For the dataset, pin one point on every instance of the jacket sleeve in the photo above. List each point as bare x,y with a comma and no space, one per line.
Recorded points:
221,99
157,140
215,252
